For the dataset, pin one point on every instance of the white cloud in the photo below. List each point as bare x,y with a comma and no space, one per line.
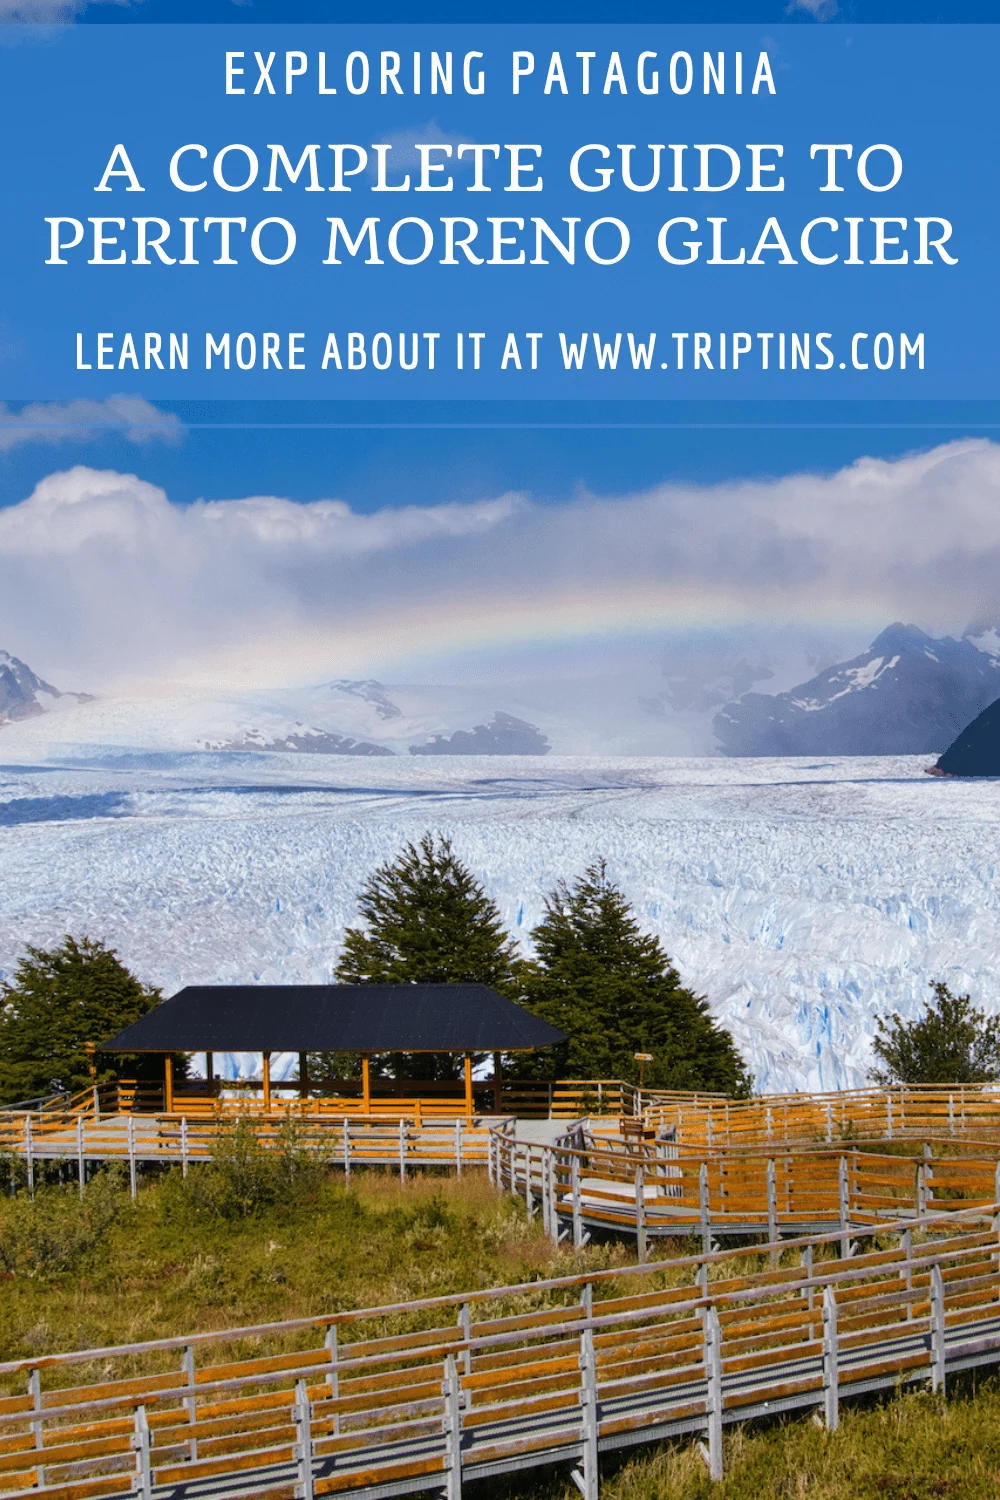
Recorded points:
46,12
821,10
86,421
405,156
101,573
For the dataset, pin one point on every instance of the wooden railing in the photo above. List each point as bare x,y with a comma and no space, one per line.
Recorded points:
650,1189
699,1118
430,1394
559,1099
138,1140
910,1111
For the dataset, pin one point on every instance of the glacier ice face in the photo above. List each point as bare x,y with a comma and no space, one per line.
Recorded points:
802,897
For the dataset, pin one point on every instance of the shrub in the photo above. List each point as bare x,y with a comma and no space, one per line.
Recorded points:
55,1230
245,1177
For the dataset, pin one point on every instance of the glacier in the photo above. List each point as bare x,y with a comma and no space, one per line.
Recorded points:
803,897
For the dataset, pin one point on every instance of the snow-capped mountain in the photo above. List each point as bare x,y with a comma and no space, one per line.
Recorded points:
342,717
24,695
503,735
657,702
908,694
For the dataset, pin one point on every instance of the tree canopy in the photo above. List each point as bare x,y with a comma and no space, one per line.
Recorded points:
427,920
952,1042
614,991
59,999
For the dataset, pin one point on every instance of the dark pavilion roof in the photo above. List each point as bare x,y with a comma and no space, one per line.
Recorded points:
335,1018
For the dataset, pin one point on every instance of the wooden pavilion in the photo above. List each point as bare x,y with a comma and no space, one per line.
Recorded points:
365,1020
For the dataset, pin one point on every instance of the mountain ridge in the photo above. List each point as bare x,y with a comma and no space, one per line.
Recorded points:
20,688
909,694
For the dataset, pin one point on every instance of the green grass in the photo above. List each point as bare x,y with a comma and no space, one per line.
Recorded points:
108,1271
233,1246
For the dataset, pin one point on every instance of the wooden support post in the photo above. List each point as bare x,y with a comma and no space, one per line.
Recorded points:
38,1425
465,1324
366,1084
402,1150
578,1239
210,1071
703,1205
640,1214
29,1155
844,1200
168,1084
190,1404
303,1441
831,1362
458,1148
333,1379
80,1164
807,1266
266,1070
303,1075
347,1149
529,1201
130,1127
497,1082
544,1190
468,1085
772,1207
829,1122
554,1198
184,1145
586,1477
712,1335
937,1331
452,1392
143,1466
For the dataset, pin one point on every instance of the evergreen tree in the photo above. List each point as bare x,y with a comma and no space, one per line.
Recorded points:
614,992
427,920
60,999
951,1042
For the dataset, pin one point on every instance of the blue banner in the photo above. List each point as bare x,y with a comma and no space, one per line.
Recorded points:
489,212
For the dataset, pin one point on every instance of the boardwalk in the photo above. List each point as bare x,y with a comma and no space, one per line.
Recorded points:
139,1140
637,1185
428,1395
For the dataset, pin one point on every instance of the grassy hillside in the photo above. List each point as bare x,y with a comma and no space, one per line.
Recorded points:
250,1240
108,1271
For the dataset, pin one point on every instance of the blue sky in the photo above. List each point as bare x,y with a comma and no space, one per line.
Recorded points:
375,454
